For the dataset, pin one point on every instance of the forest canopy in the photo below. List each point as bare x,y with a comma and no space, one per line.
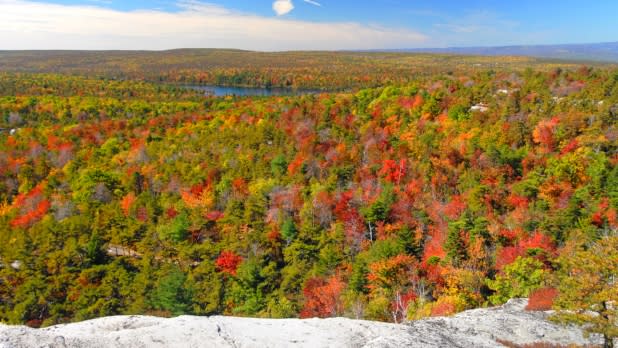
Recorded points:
429,195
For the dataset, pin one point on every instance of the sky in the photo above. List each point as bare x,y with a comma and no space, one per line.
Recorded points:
277,25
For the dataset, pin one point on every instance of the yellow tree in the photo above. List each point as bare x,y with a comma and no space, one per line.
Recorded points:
394,279
588,288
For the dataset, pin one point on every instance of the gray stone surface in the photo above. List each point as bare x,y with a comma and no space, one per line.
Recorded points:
474,328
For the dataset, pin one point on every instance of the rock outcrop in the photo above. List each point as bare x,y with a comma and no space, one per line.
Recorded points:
485,327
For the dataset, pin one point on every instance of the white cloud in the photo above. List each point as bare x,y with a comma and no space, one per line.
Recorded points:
36,25
282,7
315,3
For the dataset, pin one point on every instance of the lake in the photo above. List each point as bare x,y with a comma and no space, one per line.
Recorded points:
219,91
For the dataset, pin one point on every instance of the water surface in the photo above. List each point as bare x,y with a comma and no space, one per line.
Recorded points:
219,91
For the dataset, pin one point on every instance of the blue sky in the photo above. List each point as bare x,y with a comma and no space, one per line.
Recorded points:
301,24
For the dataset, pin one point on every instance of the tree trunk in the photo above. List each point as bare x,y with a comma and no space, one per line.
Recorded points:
608,342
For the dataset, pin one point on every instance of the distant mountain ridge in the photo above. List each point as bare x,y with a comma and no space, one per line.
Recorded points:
607,51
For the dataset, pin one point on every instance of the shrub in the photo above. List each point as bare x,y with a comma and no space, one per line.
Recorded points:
541,299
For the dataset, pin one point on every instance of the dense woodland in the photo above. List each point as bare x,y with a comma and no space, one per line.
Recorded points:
389,203
329,71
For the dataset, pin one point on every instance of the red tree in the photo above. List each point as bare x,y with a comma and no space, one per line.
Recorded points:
544,133
32,206
538,241
228,262
346,212
127,202
322,298
393,171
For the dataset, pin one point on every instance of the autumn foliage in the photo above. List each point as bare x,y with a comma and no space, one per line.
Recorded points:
542,299
387,195
544,133
537,244
322,298
228,262
198,196
127,202
32,206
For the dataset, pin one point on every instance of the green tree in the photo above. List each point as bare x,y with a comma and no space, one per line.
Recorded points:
170,294
207,288
288,230
279,165
518,280
175,230
248,288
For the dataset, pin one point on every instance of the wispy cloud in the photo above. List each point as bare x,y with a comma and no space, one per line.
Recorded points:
314,3
282,7
38,25
478,28
460,29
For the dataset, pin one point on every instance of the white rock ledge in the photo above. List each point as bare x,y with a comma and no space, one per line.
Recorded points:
474,328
